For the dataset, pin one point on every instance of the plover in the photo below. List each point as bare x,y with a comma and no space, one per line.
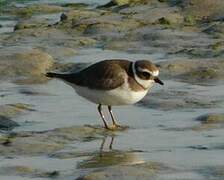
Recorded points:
112,82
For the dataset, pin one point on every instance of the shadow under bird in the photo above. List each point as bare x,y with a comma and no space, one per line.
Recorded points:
112,82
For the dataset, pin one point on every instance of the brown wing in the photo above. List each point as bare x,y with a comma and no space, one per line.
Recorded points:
108,74
102,75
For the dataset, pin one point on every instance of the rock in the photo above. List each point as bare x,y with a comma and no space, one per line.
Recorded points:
77,15
85,41
203,9
169,99
38,21
194,70
164,21
28,11
120,172
9,111
25,171
24,25
125,2
23,12
16,170
173,41
136,171
63,17
215,172
108,27
216,29
148,39
170,19
102,28
158,15
43,38
203,74
48,40
46,8
218,46
108,5
208,121
12,110
47,142
75,5
7,124
96,24
211,118
26,63
78,132
99,24
121,2
189,20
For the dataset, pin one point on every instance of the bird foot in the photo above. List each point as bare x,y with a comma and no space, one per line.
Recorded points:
115,127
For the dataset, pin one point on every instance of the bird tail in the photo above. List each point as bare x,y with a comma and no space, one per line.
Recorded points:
53,75
72,78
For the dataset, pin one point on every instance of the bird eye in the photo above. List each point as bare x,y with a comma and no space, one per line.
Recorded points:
145,74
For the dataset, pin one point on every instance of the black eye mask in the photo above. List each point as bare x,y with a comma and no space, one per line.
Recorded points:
146,75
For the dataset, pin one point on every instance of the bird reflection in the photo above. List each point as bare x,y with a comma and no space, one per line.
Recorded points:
103,144
107,156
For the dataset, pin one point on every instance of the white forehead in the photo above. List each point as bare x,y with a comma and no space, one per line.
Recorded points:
154,73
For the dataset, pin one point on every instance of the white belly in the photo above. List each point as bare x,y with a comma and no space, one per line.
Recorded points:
118,96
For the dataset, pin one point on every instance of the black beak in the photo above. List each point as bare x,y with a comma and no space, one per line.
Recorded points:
157,80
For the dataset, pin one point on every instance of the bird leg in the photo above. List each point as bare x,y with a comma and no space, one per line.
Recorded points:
102,116
112,117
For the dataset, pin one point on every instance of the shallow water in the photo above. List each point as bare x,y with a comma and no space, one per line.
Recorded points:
7,24
21,3
154,135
